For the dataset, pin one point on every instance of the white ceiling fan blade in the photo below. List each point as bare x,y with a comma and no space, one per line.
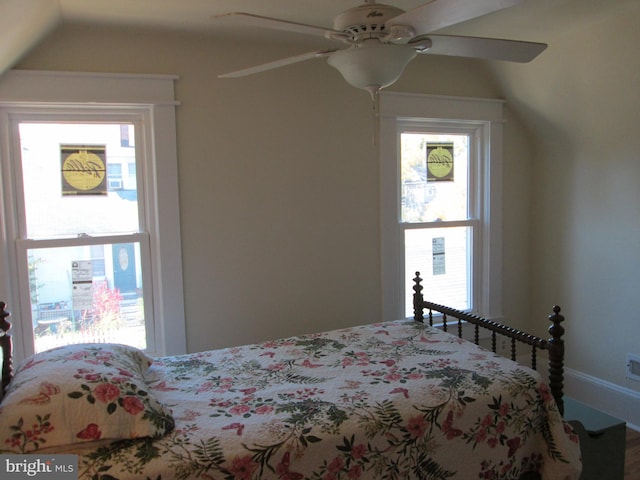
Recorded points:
250,20
438,14
278,63
487,48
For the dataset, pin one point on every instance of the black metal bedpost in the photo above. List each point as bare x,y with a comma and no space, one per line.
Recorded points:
418,310
556,357
6,347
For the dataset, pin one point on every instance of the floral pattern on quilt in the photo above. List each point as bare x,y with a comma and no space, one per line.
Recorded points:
78,394
394,400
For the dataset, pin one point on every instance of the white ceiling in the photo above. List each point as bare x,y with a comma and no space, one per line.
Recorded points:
531,17
23,23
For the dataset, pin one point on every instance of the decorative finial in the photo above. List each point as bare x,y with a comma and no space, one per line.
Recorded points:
5,324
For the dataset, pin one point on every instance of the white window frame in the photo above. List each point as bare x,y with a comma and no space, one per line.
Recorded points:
150,98
484,119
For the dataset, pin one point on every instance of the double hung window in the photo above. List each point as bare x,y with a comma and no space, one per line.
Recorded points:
438,213
84,242
89,248
441,186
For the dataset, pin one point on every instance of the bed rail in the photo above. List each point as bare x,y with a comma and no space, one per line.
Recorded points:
554,345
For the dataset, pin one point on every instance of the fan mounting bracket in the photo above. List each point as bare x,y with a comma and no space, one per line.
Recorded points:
421,44
398,34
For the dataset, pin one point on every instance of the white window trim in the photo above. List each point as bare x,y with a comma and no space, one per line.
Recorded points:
484,114
23,88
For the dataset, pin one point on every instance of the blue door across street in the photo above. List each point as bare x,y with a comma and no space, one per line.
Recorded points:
124,268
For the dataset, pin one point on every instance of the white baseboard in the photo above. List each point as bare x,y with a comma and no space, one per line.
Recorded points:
617,401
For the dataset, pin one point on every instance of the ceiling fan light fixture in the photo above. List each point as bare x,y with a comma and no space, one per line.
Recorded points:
372,67
382,39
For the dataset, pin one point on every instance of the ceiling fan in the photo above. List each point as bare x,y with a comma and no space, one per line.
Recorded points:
382,39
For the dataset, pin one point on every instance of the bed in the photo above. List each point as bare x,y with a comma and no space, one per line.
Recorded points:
390,400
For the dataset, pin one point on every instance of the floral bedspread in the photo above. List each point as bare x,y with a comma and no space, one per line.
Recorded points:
394,400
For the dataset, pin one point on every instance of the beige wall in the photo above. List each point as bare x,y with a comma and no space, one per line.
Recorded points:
279,179
582,106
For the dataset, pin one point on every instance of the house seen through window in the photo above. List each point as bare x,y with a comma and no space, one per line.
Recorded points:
435,214
84,240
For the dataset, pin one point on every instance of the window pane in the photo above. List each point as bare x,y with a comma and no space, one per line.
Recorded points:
434,174
87,294
69,187
441,255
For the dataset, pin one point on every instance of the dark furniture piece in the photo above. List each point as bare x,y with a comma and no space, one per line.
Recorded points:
602,441
6,349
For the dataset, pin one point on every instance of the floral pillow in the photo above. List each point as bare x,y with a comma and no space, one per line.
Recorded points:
78,394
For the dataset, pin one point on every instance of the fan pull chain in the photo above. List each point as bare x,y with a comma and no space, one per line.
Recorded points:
375,103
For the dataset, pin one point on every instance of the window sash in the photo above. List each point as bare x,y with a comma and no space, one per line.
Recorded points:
23,246
442,280
137,117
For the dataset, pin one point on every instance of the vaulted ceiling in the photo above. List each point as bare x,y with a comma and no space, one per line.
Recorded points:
24,23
